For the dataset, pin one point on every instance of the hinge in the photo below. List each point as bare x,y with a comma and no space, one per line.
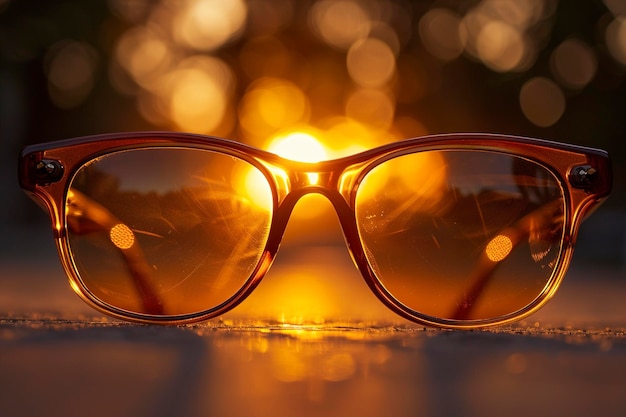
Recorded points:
47,171
583,176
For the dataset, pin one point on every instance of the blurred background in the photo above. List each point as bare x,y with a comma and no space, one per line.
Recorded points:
345,74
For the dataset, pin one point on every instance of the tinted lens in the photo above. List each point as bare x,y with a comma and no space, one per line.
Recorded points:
167,231
460,234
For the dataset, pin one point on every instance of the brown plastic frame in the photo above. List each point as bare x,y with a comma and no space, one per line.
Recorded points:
45,171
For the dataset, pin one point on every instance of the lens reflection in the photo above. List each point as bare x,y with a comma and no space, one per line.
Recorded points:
458,234
167,231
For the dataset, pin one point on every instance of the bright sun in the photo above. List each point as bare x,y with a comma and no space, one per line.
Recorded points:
296,146
299,146
302,147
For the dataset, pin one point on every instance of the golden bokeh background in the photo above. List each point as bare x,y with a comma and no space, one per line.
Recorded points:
357,73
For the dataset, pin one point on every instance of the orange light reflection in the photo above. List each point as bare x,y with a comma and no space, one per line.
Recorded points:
312,286
300,146
499,248
121,236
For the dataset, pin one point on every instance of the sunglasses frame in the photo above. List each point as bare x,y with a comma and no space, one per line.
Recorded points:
584,174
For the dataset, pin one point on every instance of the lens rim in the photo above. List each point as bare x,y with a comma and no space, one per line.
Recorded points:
75,153
148,296
401,307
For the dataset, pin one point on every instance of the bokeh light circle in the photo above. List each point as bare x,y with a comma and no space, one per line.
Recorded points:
542,101
371,63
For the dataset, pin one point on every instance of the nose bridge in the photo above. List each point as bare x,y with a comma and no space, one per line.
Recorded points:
310,179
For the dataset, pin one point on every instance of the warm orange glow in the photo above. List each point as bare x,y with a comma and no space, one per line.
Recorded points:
272,104
197,101
291,365
373,107
500,46
307,302
362,66
153,63
371,63
347,136
198,93
257,188
121,236
416,182
208,24
145,54
318,286
314,360
297,146
193,93
300,146
499,248
340,23
497,33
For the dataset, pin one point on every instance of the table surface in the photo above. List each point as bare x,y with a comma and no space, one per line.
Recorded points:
58,357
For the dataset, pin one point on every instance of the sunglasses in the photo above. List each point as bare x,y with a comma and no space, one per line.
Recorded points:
456,230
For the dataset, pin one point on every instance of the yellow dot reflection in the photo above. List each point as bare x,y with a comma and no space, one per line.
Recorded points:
499,248
121,236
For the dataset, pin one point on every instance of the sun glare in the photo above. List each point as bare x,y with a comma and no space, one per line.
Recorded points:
298,146
302,147
257,188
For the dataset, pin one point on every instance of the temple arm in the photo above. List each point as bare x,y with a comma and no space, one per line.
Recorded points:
498,249
85,216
